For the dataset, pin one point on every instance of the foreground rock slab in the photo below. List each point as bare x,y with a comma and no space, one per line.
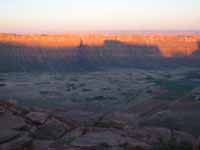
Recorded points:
51,130
37,117
107,139
10,121
7,135
24,142
74,130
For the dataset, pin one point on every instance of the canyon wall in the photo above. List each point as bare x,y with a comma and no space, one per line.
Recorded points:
169,45
22,53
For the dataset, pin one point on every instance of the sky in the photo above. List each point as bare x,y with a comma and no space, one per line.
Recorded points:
60,16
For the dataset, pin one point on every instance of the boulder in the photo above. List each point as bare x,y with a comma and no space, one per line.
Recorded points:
72,135
118,120
51,130
37,117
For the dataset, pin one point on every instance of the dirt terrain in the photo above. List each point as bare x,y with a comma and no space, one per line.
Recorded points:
116,86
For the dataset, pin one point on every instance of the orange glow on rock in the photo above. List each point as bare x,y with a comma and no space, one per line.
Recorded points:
169,45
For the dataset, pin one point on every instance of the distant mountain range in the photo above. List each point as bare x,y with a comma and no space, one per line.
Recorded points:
89,51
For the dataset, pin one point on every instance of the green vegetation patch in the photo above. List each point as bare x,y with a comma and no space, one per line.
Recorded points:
176,88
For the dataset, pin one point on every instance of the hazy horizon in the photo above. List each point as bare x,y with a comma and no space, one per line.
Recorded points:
34,16
108,32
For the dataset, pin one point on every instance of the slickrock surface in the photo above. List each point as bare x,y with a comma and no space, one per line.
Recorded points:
40,129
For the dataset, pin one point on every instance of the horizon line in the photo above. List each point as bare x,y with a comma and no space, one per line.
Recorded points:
106,32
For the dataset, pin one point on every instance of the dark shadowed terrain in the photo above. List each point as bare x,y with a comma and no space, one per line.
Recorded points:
21,58
116,96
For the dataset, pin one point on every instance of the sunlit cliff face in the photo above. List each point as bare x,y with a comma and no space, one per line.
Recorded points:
169,45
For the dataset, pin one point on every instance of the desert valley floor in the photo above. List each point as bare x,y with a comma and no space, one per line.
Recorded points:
116,109
116,86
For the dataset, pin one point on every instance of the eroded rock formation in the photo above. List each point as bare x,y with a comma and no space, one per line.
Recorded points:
39,129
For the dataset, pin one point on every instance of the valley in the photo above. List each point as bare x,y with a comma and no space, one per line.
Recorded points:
95,92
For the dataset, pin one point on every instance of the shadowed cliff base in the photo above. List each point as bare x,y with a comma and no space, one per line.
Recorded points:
197,52
169,44
20,58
